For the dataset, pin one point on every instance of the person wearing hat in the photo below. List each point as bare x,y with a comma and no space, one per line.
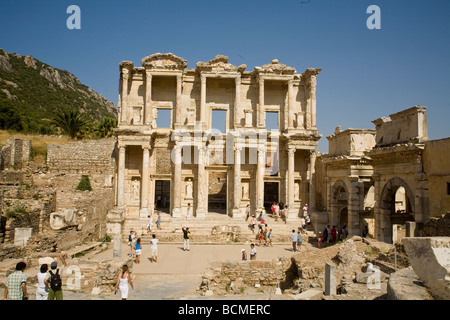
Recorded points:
54,282
244,255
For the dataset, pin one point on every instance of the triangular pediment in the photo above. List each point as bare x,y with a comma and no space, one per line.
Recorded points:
219,64
164,61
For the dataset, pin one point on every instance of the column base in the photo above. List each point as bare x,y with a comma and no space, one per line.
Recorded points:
292,215
176,213
200,214
236,214
144,213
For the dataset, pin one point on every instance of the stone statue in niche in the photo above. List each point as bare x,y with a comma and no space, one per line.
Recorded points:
299,120
189,189
135,189
297,191
244,191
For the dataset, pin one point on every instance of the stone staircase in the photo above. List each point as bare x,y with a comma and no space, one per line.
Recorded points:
215,228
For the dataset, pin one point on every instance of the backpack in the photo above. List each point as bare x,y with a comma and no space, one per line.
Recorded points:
55,280
129,238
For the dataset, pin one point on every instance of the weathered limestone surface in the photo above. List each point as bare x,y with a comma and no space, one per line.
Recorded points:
430,260
406,285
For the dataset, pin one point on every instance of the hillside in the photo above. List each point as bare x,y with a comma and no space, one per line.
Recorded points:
32,92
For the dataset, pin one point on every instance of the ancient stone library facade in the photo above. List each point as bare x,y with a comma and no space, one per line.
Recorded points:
199,138
218,138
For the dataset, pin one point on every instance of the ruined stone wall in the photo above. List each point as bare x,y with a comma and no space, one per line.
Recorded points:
409,125
67,164
435,164
15,153
224,276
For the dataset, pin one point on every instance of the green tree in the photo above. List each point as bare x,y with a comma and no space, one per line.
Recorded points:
85,184
105,127
72,122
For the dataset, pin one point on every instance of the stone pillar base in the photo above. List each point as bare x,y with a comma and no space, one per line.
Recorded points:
144,213
200,214
176,213
236,214
292,215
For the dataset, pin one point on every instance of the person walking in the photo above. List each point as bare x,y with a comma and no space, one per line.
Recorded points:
252,252
299,240
269,236
294,239
158,221
131,242
253,224
247,211
186,237
55,292
333,234
16,284
154,247
138,250
42,284
328,234
150,223
123,282
319,239
244,255
188,216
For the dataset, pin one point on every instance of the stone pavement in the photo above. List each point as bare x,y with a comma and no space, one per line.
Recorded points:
178,273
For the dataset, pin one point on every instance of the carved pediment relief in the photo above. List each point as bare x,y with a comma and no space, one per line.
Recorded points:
275,68
166,61
218,64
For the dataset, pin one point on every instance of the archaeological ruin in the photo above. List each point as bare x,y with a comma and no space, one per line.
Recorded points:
204,147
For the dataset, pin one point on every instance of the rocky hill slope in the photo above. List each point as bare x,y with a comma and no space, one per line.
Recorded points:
32,92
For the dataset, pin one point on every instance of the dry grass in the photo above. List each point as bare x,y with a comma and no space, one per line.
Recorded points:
38,142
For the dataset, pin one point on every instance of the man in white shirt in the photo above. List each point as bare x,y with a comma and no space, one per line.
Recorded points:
154,247
294,239
305,210
252,252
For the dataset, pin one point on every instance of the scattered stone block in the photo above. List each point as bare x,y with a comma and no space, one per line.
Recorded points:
311,294
406,285
330,279
430,260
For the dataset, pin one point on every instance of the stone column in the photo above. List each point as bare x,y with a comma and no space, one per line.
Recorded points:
262,111
260,177
202,196
203,101
145,179
148,98
237,183
292,212
124,104
176,183
312,180
121,178
178,102
313,83
237,102
291,116
356,203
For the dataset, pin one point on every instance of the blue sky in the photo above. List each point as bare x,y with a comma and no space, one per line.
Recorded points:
366,74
